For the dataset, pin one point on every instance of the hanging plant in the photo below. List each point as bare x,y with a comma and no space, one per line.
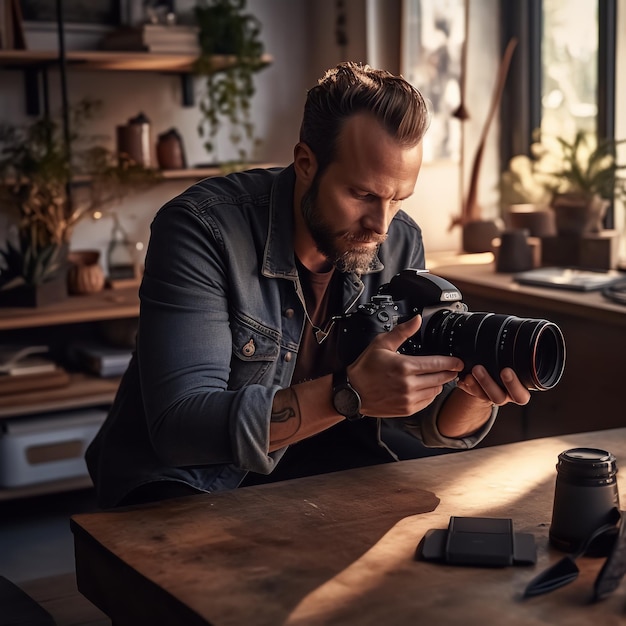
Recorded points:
225,29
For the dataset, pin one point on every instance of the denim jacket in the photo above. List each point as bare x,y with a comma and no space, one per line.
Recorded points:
220,324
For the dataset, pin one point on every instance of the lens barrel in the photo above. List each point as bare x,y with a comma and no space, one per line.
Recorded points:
533,348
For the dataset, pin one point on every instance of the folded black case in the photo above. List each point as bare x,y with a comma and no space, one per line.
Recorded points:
482,541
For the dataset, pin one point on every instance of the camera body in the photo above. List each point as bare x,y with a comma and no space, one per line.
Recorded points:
534,349
409,293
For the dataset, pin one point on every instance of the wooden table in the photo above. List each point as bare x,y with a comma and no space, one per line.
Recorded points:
339,548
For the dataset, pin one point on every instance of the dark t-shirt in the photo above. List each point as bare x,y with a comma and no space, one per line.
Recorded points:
323,300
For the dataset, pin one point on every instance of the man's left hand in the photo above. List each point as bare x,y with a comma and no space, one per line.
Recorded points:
480,384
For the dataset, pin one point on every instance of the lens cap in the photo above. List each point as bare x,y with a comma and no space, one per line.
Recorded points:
587,463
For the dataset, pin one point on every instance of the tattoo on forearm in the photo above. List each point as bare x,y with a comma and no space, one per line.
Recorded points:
286,411
284,415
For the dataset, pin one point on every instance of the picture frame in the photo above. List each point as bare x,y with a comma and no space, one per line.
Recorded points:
433,40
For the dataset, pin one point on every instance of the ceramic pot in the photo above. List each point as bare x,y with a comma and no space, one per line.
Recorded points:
22,295
134,141
515,253
578,215
170,151
478,235
85,274
538,222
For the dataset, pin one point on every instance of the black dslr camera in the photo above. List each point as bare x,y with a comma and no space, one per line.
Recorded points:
533,348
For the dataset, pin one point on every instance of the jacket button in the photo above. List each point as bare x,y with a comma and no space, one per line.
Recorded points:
289,313
249,349
287,357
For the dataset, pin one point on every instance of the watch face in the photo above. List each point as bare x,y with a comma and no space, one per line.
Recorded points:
347,402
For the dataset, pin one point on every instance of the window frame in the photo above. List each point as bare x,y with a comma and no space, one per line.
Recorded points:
520,112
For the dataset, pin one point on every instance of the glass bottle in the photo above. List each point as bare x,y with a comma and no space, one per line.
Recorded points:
121,254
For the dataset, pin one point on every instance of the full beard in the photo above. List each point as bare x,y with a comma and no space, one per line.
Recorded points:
351,257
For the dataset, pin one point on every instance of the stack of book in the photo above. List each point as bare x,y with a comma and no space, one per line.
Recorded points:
158,38
23,369
102,360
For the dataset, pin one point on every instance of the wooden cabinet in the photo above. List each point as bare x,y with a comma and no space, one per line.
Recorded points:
590,394
80,316
58,325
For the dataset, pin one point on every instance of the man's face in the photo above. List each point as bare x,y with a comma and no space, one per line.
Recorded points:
349,207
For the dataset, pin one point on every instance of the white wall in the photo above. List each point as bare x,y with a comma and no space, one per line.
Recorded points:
300,35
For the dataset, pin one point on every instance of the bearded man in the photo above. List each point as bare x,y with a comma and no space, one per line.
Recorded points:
235,378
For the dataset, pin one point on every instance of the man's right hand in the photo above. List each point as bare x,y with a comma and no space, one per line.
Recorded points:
396,385
389,384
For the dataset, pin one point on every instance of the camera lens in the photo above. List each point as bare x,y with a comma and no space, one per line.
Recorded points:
585,495
533,348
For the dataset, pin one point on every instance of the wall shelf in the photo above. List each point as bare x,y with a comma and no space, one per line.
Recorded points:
37,62
188,173
94,60
83,391
197,173
105,305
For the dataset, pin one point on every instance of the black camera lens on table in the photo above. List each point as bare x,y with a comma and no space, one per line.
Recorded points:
533,348
585,496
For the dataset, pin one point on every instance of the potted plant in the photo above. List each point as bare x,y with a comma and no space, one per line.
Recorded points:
582,177
37,186
225,29
519,185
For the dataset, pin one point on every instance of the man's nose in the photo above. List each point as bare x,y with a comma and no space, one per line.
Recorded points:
378,217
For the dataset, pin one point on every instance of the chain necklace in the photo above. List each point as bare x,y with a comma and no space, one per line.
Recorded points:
320,334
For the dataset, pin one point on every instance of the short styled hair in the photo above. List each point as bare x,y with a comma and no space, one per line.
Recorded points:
352,88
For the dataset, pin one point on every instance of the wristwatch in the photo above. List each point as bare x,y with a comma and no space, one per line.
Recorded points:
346,400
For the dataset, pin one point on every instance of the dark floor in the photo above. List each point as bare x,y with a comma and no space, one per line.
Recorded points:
35,537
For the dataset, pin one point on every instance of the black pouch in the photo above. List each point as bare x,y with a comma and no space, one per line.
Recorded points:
482,541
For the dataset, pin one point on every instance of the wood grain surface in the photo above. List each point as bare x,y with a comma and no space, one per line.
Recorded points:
339,548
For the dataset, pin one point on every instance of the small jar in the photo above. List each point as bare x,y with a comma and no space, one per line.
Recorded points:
170,151
515,253
134,143
85,274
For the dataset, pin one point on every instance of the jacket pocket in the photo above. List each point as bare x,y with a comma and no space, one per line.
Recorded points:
254,356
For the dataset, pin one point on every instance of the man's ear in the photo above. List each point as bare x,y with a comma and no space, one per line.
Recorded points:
305,163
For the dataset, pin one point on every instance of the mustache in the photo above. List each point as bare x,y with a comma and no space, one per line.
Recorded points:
366,237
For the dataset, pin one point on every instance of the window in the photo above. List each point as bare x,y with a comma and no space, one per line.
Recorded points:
563,74
569,53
